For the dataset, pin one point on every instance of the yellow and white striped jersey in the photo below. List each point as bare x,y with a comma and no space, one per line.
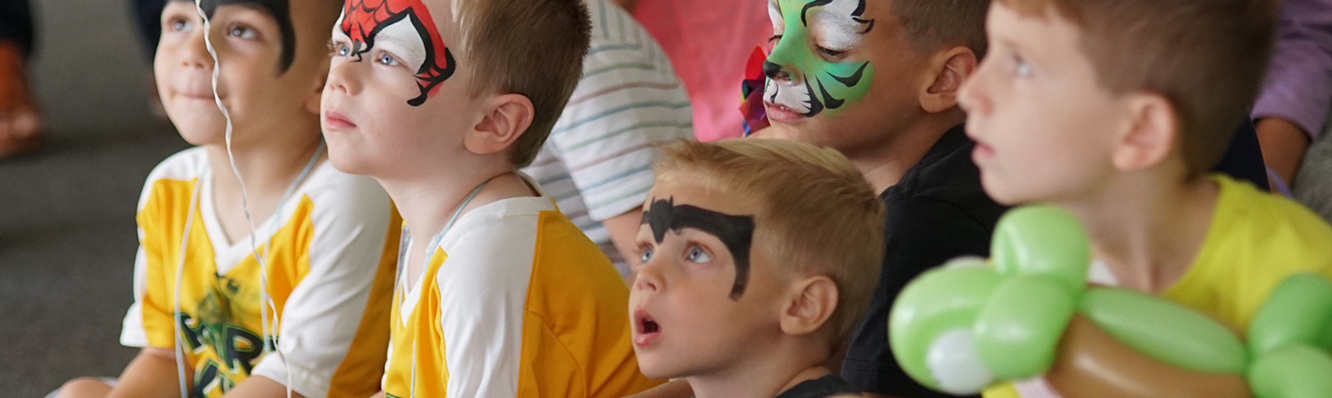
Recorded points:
330,264
514,302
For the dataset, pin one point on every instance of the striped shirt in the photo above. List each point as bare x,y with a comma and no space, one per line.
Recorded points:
597,163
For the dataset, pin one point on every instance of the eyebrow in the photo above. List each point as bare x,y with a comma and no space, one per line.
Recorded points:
735,232
1027,53
402,48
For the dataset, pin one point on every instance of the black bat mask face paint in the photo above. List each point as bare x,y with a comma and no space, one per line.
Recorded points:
736,232
279,9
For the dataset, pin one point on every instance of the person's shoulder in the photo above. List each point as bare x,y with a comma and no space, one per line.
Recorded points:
328,185
342,199
945,180
1272,220
496,223
182,166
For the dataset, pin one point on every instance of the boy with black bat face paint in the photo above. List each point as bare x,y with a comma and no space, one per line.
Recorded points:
756,258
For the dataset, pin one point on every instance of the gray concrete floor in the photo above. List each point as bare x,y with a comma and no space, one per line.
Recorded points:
67,235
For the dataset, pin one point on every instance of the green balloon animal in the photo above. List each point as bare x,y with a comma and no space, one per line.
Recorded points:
973,324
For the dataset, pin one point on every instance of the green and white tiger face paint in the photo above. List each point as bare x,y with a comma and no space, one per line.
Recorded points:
809,71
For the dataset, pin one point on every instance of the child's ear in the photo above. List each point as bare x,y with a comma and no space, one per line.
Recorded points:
808,308
1150,137
506,118
948,70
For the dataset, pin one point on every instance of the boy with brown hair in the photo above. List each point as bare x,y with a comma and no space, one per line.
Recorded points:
286,305
499,294
756,258
1114,110
877,80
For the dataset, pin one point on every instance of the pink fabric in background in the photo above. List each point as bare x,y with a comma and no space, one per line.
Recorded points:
708,42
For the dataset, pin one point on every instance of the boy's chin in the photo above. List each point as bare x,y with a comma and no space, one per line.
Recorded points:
655,369
1001,193
346,162
202,136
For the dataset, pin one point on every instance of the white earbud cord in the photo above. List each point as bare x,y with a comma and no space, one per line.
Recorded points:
266,301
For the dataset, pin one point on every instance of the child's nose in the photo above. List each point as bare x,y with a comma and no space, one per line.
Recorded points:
648,278
775,71
340,77
195,54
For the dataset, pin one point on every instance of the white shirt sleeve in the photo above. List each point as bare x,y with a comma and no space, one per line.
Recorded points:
323,314
132,333
182,166
483,294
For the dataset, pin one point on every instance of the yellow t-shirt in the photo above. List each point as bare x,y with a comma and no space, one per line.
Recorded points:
1255,241
514,301
330,251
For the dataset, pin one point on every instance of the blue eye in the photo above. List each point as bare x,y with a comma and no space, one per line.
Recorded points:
386,59
696,255
1020,66
645,255
342,49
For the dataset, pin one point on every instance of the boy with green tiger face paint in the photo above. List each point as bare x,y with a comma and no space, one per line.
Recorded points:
878,81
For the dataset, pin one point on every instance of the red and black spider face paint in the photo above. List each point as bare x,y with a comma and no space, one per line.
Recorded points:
363,20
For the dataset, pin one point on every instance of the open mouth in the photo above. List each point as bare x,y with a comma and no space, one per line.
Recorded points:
646,329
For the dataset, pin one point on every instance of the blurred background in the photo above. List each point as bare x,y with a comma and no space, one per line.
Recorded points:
67,235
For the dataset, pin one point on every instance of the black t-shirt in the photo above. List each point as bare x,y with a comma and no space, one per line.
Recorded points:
937,212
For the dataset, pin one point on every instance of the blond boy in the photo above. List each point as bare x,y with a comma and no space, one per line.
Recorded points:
499,295
206,311
1115,110
757,258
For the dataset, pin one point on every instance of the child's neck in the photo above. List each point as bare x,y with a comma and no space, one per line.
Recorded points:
428,201
268,171
884,165
1149,227
762,376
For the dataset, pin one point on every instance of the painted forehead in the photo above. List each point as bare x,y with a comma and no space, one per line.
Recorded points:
280,10
735,231
815,38
844,14
405,28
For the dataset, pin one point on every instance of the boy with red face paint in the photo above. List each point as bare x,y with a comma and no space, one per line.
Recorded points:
206,310
498,293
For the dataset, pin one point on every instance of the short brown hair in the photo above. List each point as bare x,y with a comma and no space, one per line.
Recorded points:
1207,57
817,214
932,24
529,47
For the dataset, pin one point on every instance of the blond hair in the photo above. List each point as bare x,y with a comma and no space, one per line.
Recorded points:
1207,57
816,213
529,47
